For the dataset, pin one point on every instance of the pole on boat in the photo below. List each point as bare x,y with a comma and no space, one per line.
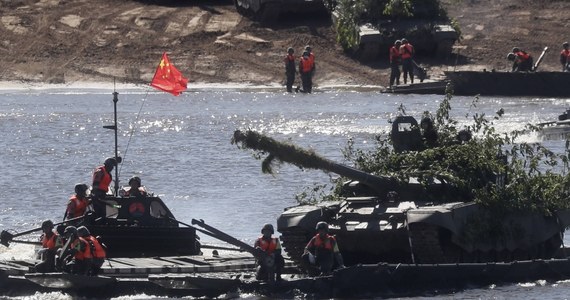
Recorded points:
115,100
222,236
6,237
114,128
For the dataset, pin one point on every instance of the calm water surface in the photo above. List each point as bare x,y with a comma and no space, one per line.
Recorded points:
180,147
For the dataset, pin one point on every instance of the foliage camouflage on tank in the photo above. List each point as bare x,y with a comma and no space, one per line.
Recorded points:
470,195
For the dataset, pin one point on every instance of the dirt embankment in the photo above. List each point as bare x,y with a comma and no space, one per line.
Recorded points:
63,41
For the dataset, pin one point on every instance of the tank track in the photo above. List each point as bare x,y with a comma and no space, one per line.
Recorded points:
294,241
431,246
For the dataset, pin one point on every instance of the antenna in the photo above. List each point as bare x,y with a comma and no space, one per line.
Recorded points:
114,127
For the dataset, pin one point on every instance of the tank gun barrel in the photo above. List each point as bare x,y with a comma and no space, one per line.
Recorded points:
302,158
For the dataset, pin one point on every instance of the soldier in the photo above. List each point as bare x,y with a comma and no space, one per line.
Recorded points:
407,53
78,204
322,250
522,61
395,62
97,250
102,180
51,241
306,69
290,69
271,264
78,256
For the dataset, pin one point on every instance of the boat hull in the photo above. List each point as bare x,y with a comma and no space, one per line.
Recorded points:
545,84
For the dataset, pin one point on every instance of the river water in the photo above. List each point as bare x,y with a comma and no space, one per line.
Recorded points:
52,138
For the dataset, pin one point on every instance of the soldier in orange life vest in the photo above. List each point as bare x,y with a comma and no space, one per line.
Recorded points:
407,54
306,70
102,179
312,58
50,243
271,265
290,69
78,203
522,61
565,57
97,249
78,256
135,189
322,249
395,61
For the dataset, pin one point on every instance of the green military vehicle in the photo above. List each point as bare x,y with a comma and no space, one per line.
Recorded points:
268,11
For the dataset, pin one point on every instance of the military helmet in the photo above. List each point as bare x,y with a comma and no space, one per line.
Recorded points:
60,229
397,42
47,224
404,40
290,50
69,230
565,45
110,161
516,49
511,56
83,231
135,178
308,48
322,225
81,188
426,123
268,227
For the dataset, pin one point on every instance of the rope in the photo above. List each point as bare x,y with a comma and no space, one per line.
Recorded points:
134,127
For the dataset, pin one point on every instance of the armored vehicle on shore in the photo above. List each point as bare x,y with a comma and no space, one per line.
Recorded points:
268,11
424,24
383,219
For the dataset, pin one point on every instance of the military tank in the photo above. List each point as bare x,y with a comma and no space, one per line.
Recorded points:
424,24
268,11
382,219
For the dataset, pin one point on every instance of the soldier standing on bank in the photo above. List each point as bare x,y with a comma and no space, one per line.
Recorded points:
306,68
407,54
290,69
395,61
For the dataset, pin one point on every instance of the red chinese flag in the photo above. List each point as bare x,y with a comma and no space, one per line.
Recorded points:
167,78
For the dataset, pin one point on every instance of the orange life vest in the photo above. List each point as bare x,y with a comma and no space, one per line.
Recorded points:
76,207
103,177
267,246
394,54
306,65
406,50
327,243
83,249
565,53
523,56
98,250
50,242
289,58
312,58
